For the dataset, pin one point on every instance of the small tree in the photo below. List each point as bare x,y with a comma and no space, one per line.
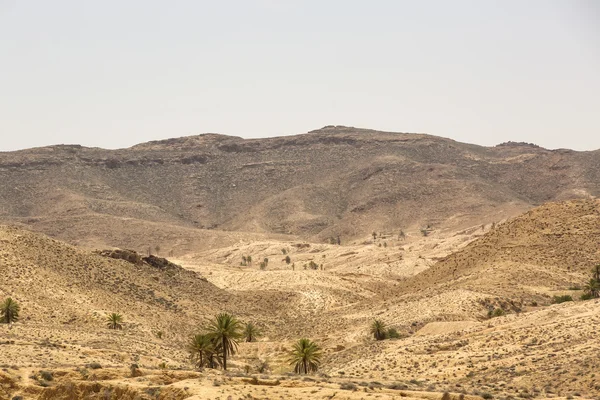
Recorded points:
266,261
251,332
202,351
157,249
9,311
284,251
305,356
114,321
378,329
593,288
374,235
288,259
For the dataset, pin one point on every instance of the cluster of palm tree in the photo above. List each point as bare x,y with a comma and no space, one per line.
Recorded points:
9,311
220,338
219,341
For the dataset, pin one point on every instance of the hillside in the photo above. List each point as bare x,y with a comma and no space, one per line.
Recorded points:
66,293
446,343
553,246
196,192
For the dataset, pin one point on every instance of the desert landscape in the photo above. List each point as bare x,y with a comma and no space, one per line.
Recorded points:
420,267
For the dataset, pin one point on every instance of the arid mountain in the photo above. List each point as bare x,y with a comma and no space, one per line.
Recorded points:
191,193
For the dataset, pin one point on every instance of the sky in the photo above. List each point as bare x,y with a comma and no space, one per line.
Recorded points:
115,73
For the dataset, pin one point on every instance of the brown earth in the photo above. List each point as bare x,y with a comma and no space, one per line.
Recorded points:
198,192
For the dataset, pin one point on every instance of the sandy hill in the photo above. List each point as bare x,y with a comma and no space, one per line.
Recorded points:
553,246
190,193
66,293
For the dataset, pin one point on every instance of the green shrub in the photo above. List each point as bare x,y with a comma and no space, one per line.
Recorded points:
392,333
47,375
586,296
561,299
498,312
347,386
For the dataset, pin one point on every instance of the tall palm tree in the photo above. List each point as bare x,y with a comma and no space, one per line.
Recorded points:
378,329
225,330
251,332
202,350
9,311
114,321
305,356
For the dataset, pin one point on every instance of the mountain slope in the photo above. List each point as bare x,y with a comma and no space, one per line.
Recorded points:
333,181
553,246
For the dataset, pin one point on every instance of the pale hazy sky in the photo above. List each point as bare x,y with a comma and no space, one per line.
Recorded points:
114,73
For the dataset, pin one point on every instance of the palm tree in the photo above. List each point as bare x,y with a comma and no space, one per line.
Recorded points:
9,311
593,287
378,329
202,350
114,321
251,332
225,331
305,356
596,272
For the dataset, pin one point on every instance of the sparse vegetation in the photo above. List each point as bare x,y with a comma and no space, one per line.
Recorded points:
134,370
497,312
9,311
313,265
47,376
561,299
114,321
392,333
305,356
